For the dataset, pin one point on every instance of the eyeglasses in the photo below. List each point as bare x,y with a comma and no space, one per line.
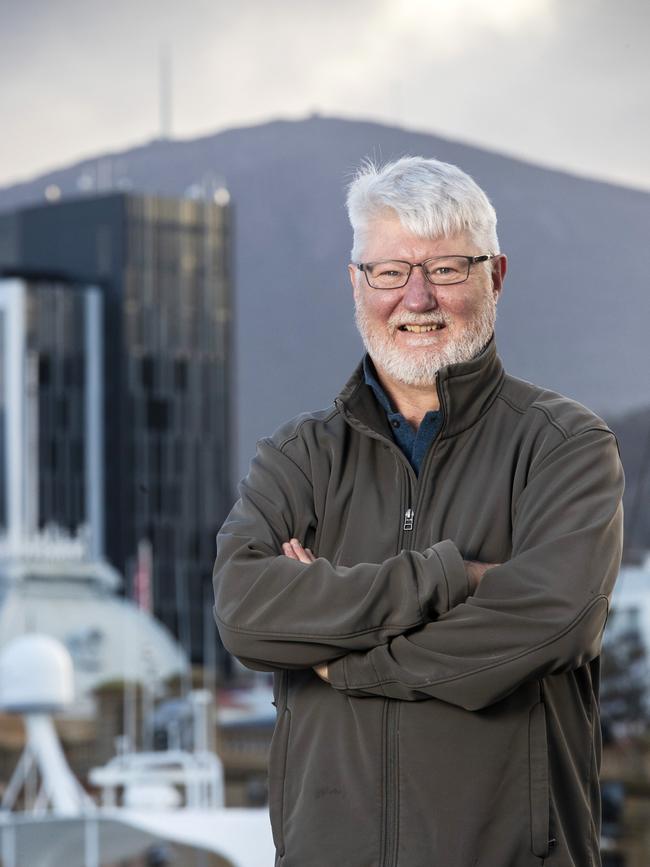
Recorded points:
440,270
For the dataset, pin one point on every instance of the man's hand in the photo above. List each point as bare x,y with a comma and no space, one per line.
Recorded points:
321,671
294,550
475,572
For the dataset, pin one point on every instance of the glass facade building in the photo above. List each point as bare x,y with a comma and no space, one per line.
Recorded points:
45,402
56,390
163,269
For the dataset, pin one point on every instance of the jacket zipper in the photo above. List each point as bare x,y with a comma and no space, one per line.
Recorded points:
389,849
388,855
390,808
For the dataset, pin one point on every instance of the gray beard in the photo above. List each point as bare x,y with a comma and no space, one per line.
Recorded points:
421,368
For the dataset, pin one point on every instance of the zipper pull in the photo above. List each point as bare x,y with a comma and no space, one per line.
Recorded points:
408,519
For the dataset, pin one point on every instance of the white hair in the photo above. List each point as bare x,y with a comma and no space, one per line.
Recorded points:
432,199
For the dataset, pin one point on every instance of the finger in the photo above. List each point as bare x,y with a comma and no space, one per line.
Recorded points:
311,554
300,552
288,551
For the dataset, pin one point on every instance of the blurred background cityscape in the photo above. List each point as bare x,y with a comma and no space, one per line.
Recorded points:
173,285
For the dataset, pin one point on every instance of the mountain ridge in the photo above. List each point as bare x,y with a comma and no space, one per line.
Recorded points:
133,149
569,319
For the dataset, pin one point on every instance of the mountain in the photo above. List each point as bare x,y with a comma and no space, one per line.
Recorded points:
574,314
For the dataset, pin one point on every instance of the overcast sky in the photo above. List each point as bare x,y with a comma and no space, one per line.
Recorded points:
564,83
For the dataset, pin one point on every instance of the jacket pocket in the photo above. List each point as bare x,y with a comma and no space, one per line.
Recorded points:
277,773
538,781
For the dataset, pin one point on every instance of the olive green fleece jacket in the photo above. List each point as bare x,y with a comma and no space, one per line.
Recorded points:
459,729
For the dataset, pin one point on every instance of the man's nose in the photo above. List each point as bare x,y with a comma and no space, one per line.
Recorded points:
419,294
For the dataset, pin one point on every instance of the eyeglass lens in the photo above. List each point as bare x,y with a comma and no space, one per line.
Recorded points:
441,271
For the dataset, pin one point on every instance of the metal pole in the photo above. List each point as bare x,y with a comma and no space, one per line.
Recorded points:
13,303
184,626
8,834
91,842
94,415
209,643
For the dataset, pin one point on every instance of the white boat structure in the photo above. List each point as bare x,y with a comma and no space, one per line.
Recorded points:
172,796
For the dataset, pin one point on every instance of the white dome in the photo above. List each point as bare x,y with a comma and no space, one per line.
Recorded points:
36,674
109,638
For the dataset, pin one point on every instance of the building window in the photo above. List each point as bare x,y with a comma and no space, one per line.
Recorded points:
157,415
147,373
180,374
44,370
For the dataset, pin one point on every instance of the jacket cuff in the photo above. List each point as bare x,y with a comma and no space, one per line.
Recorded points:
352,672
453,567
336,673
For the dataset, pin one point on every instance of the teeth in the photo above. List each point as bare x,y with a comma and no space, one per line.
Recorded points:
420,329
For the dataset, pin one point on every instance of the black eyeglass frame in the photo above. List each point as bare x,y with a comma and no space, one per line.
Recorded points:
471,260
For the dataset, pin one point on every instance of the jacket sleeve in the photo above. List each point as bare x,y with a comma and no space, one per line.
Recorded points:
275,612
541,612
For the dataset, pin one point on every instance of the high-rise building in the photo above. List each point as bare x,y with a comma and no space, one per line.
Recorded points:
162,267
50,409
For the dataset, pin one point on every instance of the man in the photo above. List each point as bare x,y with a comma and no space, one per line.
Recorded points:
426,566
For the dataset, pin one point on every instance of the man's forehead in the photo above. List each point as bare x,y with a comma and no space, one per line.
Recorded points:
388,233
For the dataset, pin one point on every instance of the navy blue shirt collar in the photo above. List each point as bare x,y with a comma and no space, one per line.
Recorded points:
414,444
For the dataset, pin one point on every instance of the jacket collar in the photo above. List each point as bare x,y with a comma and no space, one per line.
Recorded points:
466,392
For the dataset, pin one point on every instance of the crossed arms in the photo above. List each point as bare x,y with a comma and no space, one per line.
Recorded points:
417,626
295,551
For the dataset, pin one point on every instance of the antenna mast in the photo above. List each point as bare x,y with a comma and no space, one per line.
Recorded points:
165,84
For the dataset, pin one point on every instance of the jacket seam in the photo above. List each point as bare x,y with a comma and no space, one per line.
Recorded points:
398,811
383,802
417,595
313,636
522,410
569,439
592,838
344,672
565,433
374,669
498,663
550,419
448,588
335,411
269,442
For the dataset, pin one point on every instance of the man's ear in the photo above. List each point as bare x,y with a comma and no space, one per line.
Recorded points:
353,271
499,269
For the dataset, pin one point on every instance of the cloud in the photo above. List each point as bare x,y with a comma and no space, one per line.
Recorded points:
566,84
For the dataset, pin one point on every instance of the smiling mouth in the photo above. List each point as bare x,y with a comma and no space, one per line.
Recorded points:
421,329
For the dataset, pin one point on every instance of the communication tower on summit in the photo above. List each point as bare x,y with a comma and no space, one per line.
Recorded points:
165,84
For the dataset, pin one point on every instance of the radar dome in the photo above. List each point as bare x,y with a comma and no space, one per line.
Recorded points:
36,675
